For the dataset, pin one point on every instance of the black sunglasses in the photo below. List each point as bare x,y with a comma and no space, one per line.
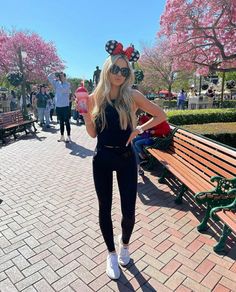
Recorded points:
125,71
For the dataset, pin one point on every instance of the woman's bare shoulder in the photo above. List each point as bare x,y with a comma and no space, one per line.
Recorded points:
92,98
137,96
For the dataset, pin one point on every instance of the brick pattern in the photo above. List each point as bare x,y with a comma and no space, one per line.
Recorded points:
50,238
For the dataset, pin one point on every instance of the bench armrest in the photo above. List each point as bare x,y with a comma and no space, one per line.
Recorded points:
223,184
216,178
221,191
163,143
28,116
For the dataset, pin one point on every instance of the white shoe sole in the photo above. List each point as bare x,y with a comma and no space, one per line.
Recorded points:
112,278
122,264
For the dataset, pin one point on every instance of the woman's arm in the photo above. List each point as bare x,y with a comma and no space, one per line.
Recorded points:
90,126
52,79
158,115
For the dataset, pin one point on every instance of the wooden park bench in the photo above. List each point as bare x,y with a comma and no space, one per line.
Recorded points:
203,166
12,123
227,215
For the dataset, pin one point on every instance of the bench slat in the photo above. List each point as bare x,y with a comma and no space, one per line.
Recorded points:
211,149
196,172
204,141
193,157
185,175
196,165
231,214
207,153
201,171
229,221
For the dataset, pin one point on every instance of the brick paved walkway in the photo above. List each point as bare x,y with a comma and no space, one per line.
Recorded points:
49,234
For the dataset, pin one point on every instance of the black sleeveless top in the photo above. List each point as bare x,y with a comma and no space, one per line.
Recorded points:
112,134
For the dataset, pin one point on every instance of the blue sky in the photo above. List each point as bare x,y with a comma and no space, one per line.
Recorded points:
80,30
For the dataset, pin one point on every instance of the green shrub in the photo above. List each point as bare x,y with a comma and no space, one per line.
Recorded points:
226,138
170,103
203,116
224,133
228,104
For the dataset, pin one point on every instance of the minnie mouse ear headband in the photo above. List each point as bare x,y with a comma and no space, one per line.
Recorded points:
114,48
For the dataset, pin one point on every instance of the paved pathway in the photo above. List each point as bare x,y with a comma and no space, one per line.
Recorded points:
49,234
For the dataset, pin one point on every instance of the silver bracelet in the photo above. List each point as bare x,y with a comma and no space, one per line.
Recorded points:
139,128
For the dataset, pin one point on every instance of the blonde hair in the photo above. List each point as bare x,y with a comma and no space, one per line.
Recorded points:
124,103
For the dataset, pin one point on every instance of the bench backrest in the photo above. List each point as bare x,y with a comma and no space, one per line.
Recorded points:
204,156
19,116
9,118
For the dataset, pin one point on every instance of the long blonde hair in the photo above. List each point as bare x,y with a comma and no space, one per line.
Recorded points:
124,103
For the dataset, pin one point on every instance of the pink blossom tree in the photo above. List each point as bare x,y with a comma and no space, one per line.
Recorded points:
40,59
201,34
157,65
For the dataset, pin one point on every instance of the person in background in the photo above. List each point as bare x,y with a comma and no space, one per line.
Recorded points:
34,105
181,99
74,112
111,118
210,92
96,76
71,98
48,107
41,98
13,101
146,139
62,93
52,108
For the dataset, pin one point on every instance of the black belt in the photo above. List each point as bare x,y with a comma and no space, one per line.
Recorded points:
116,147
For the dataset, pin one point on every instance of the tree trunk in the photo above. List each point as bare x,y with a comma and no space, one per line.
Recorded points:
222,89
169,94
200,85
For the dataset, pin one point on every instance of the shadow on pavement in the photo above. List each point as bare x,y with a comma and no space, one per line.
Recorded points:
22,136
30,137
78,150
51,130
151,195
140,278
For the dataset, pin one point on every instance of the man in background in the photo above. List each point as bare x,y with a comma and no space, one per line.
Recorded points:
62,94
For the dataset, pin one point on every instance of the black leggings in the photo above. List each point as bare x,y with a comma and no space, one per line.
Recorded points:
63,116
123,161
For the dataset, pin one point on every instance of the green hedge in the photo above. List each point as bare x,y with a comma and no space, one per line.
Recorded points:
203,116
170,104
226,138
225,103
228,104
224,133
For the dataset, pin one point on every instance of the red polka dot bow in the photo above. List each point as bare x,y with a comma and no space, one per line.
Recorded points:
116,48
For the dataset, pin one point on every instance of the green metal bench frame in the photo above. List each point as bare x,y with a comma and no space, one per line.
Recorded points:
220,246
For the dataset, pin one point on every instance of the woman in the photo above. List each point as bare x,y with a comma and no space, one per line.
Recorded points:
41,100
62,92
181,99
111,118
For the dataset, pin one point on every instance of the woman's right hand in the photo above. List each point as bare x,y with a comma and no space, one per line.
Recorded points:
86,117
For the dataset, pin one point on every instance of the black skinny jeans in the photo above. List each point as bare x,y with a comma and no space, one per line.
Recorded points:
63,114
123,161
